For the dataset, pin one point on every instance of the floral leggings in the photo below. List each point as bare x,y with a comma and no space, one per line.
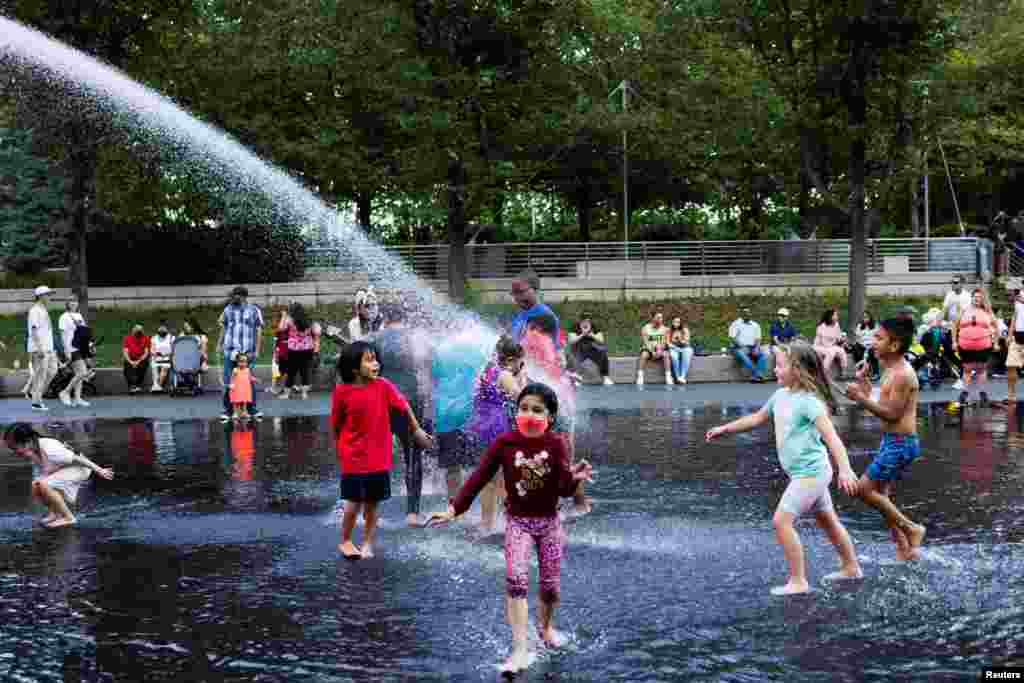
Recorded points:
520,533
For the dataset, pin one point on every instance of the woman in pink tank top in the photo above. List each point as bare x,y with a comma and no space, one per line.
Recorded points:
974,334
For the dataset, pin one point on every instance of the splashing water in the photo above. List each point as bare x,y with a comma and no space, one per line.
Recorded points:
152,118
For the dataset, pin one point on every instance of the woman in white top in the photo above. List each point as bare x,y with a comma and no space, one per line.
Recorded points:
865,340
69,321
1015,348
160,347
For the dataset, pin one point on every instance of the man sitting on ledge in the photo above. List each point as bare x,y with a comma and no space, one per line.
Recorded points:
746,346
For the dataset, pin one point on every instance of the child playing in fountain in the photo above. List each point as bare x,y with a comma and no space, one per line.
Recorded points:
803,430
240,389
537,473
361,423
60,472
896,406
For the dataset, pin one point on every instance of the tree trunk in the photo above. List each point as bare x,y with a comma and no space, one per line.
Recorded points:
915,206
456,230
583,216
858,216
83,173
364,209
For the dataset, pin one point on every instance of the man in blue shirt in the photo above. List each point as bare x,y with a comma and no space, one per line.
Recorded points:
526,292
241,331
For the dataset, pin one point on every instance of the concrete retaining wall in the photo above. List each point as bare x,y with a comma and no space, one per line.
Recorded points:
714,368
341,287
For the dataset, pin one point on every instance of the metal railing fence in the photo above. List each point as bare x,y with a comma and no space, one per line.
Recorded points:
669,259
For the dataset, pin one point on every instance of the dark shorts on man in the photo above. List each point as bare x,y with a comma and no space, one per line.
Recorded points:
456,448
369,487
895,454
980,356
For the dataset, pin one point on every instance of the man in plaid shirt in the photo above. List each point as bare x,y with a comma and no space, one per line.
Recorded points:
241,331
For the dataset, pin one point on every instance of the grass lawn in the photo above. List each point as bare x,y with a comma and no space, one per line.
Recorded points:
708,320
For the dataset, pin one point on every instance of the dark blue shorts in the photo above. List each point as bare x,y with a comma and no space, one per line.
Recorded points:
894,455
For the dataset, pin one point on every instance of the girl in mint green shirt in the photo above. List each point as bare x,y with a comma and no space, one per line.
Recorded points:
804,436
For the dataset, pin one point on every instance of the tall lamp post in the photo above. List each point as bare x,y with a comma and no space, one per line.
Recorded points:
624,88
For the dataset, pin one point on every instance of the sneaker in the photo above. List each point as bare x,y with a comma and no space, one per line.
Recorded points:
958,385
65,398
640,379
39,406
134,390
225,418
669,380
256,414
681,380
608,381
81,404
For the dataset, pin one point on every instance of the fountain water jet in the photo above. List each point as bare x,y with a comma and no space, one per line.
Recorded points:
133,108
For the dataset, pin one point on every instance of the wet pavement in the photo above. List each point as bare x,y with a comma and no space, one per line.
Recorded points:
211,556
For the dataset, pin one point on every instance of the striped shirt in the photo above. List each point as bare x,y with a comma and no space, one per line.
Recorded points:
242,324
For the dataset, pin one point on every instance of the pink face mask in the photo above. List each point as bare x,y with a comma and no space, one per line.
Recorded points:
531,426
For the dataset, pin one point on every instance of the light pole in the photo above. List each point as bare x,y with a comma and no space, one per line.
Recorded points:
624,87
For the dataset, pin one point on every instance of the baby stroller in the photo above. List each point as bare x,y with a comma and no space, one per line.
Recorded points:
930,360
186,366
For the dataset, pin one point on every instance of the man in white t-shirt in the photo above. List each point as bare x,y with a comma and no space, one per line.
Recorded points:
40,346
956,301
745,335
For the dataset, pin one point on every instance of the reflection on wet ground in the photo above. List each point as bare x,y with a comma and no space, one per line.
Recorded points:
211,557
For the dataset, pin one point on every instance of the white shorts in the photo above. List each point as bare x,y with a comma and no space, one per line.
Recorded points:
68,480
1014,355
807,495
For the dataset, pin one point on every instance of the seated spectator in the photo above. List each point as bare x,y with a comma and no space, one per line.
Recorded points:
680,350
745,335
782,333
135,349
586,342
865,340
829,342
654,348
160,347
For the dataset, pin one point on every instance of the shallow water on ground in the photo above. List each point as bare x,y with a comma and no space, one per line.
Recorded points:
212,557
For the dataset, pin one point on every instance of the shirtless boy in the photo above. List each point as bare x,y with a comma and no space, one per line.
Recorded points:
896,406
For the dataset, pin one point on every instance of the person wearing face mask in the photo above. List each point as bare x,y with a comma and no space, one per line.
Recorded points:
160,352
135,349
537,473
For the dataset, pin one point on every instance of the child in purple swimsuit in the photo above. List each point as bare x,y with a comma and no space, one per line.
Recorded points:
493,408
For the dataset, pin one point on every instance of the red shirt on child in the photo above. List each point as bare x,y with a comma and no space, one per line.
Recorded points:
360,417
536,473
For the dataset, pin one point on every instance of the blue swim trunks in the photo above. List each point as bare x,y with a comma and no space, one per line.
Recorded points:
894,455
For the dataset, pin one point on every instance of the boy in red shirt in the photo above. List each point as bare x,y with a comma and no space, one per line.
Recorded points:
361,423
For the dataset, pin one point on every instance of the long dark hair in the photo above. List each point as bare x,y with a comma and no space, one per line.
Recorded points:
826,317
297,312
545,394
870,324
577,329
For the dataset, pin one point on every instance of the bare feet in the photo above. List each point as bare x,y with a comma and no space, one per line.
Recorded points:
59,522
844,575
791,588
551,638
349,550
366,550
518,661
916,535
413,520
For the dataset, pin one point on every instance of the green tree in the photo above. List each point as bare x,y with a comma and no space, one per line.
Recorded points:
35,204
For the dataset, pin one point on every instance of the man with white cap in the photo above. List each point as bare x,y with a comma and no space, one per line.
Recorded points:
40,346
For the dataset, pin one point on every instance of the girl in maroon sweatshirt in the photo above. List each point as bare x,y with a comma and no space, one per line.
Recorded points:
537,473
